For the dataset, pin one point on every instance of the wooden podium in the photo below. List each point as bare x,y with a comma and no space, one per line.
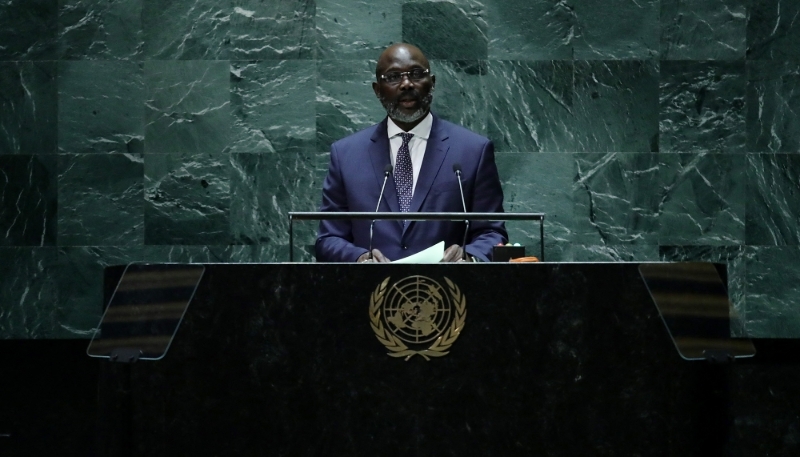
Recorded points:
284,360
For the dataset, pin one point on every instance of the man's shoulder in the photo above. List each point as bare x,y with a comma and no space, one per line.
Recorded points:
458,132
360,137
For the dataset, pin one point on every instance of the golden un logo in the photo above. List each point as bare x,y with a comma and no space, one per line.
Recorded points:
417,316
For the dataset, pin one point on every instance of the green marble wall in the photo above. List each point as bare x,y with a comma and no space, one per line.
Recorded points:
184,131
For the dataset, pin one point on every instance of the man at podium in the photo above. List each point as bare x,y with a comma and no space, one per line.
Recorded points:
416,158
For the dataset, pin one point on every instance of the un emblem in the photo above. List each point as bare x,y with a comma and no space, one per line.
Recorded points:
417,316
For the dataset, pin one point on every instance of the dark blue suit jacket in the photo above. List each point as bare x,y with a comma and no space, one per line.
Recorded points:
354,182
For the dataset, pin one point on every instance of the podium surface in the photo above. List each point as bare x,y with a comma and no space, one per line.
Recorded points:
285,359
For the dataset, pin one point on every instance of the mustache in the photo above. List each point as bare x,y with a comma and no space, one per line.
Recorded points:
394,113
409,96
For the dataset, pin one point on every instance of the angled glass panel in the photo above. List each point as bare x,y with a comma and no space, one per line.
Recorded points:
145,311
693,303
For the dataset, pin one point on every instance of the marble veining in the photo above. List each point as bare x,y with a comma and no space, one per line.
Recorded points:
28,200
773,94
260,203
101,107
532,30
615,104
209,30
188,106
773,208
29,103
707,30
360,29
28,293
272,104
186,130
702,107
531,106
100,29
100,200
772,31
187,199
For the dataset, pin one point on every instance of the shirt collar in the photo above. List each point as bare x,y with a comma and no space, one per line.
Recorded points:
422,130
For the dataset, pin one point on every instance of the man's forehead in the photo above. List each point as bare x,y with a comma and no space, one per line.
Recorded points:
402,56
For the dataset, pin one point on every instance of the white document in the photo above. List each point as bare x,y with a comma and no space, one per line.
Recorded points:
433,254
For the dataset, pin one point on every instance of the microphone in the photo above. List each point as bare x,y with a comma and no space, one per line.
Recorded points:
457,171
387,170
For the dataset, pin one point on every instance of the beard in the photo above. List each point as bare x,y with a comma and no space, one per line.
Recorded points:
395,114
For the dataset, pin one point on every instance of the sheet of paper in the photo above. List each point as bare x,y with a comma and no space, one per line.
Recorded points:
433,254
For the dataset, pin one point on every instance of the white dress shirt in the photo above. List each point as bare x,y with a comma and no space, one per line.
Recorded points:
416,146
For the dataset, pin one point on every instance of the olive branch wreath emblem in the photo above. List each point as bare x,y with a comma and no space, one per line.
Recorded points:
440,347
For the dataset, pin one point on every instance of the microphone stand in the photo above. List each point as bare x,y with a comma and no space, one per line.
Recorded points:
387,170
457,170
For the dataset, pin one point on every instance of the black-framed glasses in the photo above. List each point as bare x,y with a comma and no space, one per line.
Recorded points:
394,77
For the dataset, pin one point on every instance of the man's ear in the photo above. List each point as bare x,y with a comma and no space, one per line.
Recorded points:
377,89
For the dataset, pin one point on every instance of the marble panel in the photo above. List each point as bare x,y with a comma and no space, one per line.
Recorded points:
80,282
772,292
459,95
616,199
345,100
101,107
236,30
706,30
531,29
600,253
702,106
734,259
773,97
773,31
188,106
28,292
179,254
538,183
28,200
702,199
272,103
264,188
616,29
80,279
100,200
447,30
28,30
29,103
773,203
531,106
100,29
187,199
358,29
616,106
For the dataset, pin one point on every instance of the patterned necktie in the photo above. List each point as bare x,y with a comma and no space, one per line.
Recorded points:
404,174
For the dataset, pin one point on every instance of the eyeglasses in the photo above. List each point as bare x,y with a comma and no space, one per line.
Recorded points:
417,74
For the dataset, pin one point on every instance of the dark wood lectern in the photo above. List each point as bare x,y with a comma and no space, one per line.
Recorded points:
282,359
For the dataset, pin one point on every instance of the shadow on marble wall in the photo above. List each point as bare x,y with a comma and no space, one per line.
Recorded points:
139,130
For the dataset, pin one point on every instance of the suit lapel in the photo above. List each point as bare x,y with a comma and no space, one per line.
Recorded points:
379,155
435,152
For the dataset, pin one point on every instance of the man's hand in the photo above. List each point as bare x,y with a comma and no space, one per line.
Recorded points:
454,253
377,257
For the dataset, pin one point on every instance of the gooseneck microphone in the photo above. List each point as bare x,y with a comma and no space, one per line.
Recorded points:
457,171
387,170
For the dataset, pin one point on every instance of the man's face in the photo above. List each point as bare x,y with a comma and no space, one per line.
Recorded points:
408,100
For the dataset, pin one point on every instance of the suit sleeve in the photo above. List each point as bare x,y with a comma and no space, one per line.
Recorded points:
335,237
487,197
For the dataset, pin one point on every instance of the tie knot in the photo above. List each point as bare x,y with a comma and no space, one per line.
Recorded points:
406,137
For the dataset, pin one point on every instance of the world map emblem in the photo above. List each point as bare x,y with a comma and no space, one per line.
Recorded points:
417,316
